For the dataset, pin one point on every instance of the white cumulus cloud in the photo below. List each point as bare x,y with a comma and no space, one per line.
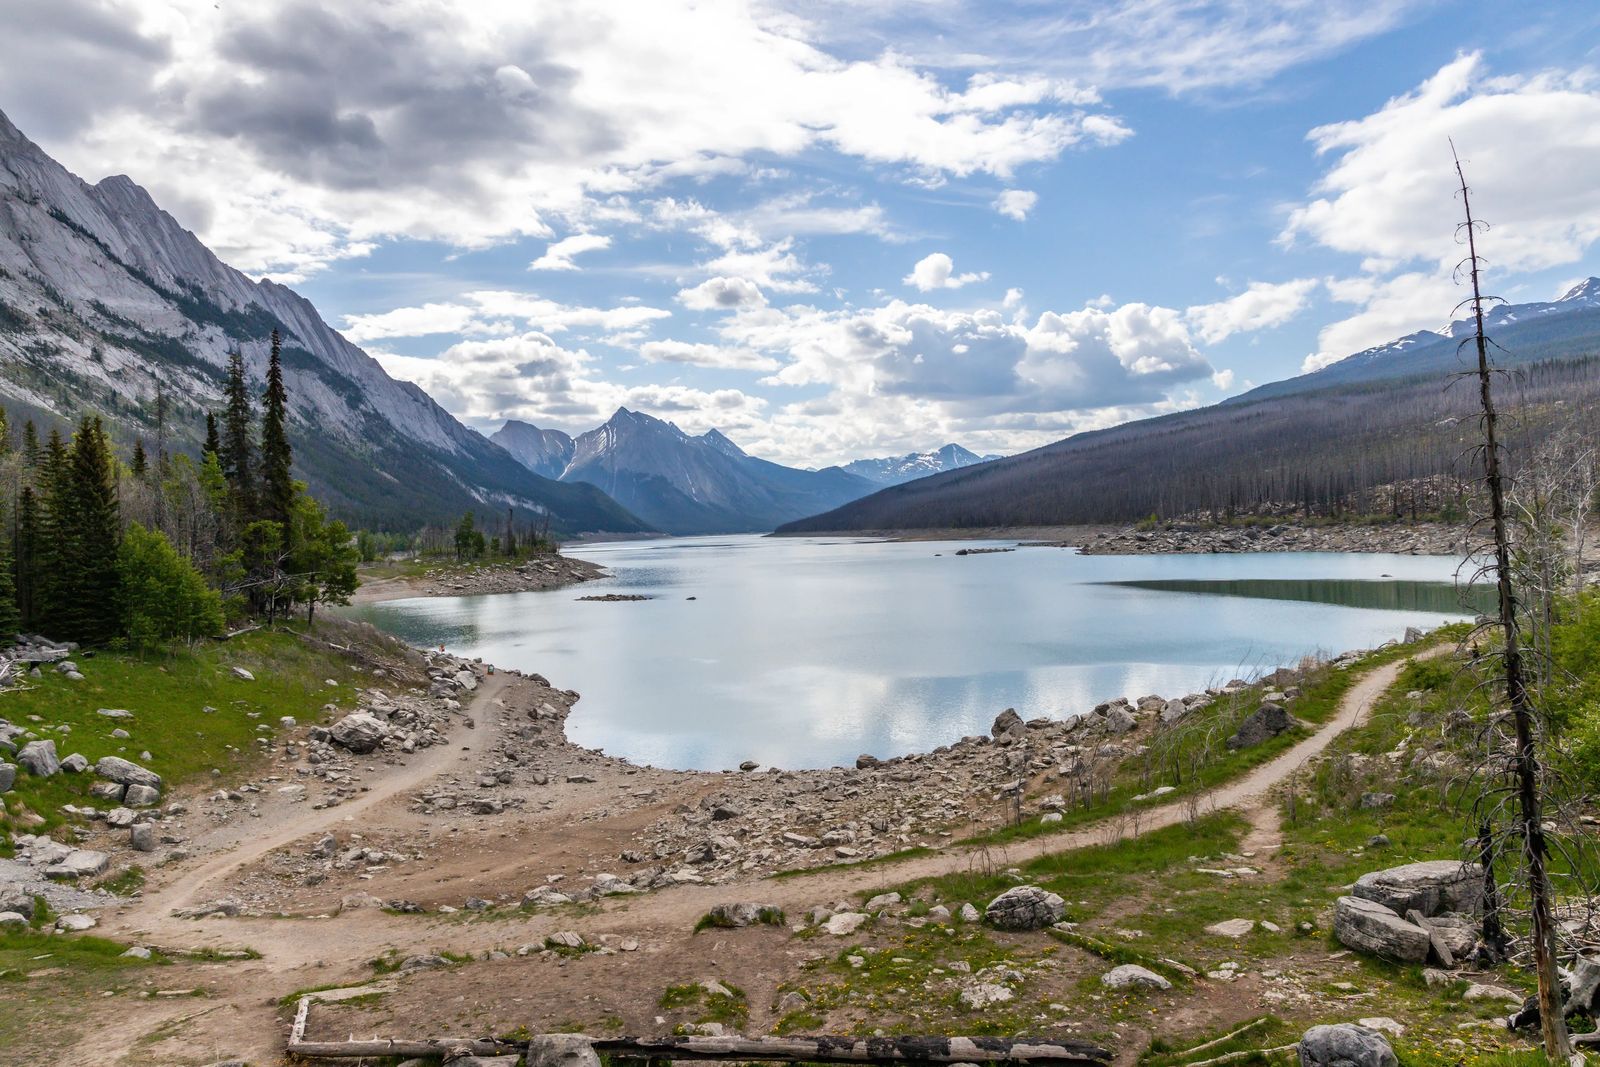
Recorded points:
1016,203
559,255
937,271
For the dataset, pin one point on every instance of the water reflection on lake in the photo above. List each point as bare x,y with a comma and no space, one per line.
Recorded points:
806,652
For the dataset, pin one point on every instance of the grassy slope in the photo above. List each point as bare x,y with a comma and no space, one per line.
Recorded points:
169,698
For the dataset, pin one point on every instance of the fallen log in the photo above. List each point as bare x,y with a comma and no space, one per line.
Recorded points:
931,1050
435,1047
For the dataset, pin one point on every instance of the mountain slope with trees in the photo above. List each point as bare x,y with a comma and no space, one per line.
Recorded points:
1384,433
109,307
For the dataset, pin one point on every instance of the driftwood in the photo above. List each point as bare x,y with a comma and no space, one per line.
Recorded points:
923,1050
436,1047
857,1050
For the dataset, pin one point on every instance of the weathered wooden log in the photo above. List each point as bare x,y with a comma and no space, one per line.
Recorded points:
931,1050
438,1047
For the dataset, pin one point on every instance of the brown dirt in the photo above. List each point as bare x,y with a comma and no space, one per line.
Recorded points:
494,858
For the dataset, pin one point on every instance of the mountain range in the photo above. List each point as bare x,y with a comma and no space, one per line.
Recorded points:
678,483
1334,441
895,470
683,484
105,299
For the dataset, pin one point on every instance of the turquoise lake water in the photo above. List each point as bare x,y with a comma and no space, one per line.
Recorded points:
805,652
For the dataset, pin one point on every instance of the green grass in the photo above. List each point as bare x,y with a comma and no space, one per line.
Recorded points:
765,917
731,1009
168,696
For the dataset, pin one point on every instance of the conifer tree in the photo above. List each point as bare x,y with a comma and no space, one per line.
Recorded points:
10,615
140,465
5,434
30,444
237,453
53,527
213,443
86,527
25,554
277,485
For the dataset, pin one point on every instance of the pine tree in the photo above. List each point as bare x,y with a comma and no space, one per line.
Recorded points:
237,451
82,531
277,485
5,434
25,554
30,444
10,616
213,443
53,528
140,465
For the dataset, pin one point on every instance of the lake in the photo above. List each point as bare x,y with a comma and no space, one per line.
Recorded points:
805,652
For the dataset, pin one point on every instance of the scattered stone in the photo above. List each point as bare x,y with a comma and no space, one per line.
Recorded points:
142,836
1369,927
39,759
983,994
76,923
126,772
745,914
1345,1045
1263,724
1432,887
1231,928
845,923
1132,976
1027,907
359,732
76,763
141,796
242,674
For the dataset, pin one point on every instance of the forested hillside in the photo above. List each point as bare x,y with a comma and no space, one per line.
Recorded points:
1395,447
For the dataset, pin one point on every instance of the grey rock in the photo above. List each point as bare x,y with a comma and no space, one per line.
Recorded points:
242,674
1132,976
107,790
1006,722
15,898
141,796
79,863
8,776
76,763
1119,720
39,758
1027,907
76,923
126,772
1377,801
1263,724
1345,1045
142,836
1431,887
360,733
1371,928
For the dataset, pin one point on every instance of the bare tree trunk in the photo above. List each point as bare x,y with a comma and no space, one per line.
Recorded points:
1557,1043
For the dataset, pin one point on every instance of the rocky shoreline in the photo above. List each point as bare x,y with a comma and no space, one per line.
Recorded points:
533,575
1424,539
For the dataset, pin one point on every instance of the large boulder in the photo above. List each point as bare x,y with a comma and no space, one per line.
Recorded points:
1345,1045
79,863
8,776
1027,907
1007,722
39,758
1432,887
359,732
1369,927
1265,723
126,772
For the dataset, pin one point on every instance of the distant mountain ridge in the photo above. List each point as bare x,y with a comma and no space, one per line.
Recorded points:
1377,431
1526,332
678,483
893,470
104,297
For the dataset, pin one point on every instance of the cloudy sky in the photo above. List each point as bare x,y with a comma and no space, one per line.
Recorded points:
837,229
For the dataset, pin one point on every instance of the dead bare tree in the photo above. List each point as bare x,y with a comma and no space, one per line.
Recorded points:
1525,761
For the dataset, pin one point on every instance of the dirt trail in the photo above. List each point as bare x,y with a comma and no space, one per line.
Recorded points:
296,954
292,824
